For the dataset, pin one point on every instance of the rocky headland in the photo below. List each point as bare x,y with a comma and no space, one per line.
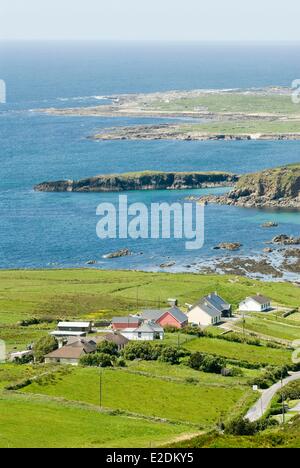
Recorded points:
141,181
274,188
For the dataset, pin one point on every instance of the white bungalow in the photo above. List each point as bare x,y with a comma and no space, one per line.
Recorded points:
256,303
148,331
204,314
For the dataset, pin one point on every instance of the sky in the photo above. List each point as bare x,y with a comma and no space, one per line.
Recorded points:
173,20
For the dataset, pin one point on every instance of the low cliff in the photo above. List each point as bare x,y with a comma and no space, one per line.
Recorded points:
278,188
141,181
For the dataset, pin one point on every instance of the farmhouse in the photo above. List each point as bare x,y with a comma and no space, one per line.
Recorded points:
256,303
119,323
71,353
173,317
65,329
148,331
204,314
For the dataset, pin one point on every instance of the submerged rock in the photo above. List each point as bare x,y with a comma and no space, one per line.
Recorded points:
119,253
228,246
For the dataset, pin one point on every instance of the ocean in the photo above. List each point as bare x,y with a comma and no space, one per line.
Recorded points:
50,230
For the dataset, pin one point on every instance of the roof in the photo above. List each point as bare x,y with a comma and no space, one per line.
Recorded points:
208,308
260,299
178,314
128,320
149,327
67,333
216,301
155,314
116,338
75,324
72,351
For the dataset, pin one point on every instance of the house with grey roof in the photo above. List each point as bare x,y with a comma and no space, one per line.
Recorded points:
209,310
219,304
258,303
147,331
203,314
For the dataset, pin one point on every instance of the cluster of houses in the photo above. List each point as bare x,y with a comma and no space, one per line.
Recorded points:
149,325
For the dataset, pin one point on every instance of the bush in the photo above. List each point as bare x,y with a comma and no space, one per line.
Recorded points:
27,359
138,350
241,427
43,346
171,354
107,347
291,391
207,363
270,376
97,360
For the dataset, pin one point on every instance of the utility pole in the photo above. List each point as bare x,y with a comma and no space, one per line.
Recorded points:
101,383
244,325
282,401
137,298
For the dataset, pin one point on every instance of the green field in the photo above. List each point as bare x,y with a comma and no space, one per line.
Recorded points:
240,351
27,422
96,294
148,396
272,328
231,102
243,127
181,372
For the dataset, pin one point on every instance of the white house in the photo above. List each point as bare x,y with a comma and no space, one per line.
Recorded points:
256,303
148,331
204,314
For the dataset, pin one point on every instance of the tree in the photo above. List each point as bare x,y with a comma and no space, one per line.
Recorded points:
43,346
241,427
107,347
171,354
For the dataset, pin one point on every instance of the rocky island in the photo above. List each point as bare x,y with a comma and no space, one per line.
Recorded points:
148,180
273,188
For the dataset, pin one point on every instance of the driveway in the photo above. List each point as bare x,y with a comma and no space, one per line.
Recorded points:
262,405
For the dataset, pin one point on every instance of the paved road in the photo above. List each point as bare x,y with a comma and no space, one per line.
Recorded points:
261,406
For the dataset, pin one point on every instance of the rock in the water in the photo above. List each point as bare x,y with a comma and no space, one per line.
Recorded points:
167,265
119,253
229,246
269,224
91,262
286,240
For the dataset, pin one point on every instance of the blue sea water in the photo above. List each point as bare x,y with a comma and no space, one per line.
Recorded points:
59,230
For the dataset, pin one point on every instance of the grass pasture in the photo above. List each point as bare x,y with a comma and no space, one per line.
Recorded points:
148,396
30,422
276,329
97,294
241,351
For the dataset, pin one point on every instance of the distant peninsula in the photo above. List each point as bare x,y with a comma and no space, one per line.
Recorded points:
233,115
148,180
